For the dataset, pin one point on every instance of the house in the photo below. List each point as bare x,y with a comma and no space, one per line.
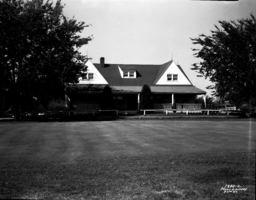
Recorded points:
168,82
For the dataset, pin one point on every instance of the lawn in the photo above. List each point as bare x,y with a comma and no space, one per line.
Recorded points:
128,159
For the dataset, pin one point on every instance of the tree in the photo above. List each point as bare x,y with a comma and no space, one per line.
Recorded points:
229,60
39,50
209,102
146,101
107,102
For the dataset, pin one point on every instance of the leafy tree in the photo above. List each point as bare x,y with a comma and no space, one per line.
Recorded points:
146,101
228,59
107,99
39,50
209,102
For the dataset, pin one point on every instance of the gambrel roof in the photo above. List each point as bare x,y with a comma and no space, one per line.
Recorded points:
152,75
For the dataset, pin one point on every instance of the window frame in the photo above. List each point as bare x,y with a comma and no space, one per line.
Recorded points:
172,77
129,74
90,76
169,77
87,76
175,77
84,76
126,74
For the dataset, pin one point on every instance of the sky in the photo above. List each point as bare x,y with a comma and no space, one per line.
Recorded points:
152,31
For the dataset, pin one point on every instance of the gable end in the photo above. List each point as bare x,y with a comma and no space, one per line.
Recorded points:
92,76
172,74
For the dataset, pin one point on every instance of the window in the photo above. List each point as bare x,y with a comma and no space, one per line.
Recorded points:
126,74
87,76
90,76
169,77
129,74
175,77
172,77
84,76
42,76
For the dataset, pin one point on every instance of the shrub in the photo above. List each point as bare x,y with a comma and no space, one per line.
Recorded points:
146,101
56,105
107,102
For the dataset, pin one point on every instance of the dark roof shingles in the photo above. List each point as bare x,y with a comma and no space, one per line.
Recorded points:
146,74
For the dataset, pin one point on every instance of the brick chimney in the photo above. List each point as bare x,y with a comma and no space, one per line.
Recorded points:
102,62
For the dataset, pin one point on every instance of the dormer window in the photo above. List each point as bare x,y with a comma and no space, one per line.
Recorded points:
126,74
129,74
172,77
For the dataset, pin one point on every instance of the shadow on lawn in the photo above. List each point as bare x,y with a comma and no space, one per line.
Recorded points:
77,116
232,168
230,175
185,176
72,118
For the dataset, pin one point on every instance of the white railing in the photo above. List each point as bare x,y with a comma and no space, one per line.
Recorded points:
94,112
187,111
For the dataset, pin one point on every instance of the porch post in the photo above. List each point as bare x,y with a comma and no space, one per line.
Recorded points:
172,99
66,97
138,101
66,100
204,100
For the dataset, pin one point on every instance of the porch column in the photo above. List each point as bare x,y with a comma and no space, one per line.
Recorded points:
204,97
139,101
67,100
172,99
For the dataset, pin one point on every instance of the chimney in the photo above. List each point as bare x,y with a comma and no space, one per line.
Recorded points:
102,62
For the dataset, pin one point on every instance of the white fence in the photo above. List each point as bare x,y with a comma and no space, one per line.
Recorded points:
188,111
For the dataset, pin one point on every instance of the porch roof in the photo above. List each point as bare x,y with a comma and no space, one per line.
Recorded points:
160,89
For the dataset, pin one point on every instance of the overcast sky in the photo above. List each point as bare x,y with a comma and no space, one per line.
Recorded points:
152,31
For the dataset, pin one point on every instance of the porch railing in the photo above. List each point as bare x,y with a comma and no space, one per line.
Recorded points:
185,106
189,106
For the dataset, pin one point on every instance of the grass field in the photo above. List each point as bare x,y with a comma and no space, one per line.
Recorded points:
128,159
